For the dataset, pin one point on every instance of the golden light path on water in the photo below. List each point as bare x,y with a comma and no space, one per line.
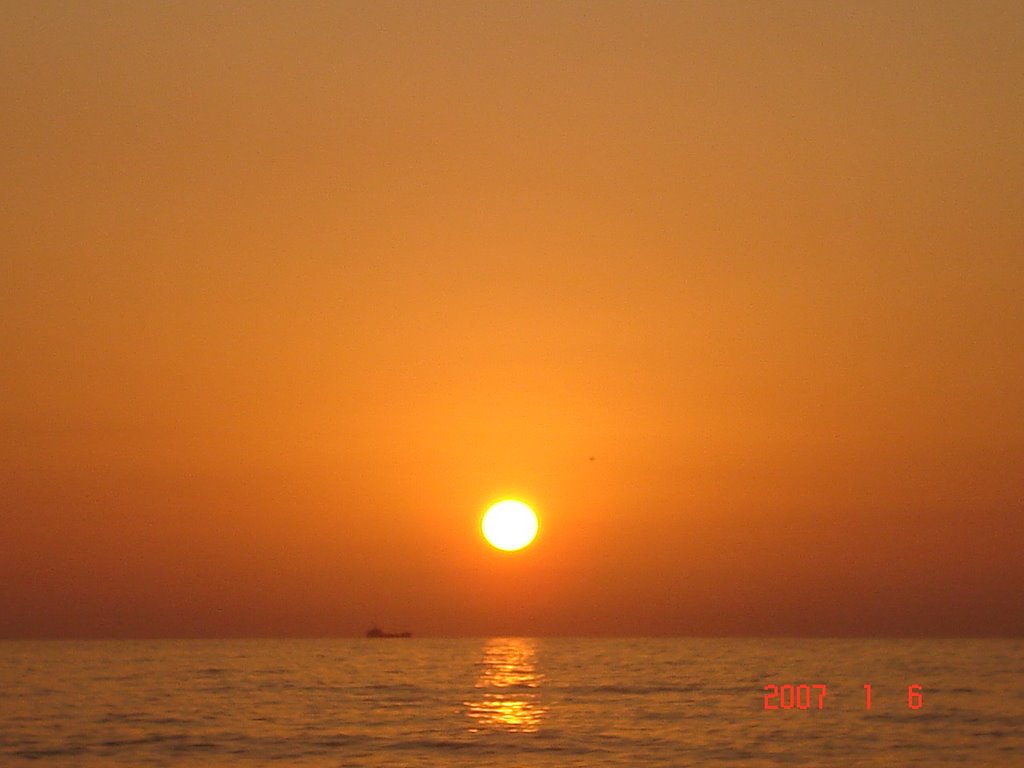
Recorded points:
508,688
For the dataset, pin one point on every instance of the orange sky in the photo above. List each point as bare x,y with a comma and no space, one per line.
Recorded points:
290,292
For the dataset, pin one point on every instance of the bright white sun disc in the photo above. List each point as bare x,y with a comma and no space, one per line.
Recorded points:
509,525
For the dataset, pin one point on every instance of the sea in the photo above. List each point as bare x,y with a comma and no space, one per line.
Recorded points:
513,701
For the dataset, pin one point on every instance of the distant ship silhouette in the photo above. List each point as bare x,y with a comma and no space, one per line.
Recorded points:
378,632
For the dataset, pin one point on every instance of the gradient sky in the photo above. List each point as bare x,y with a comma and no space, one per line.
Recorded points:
290,292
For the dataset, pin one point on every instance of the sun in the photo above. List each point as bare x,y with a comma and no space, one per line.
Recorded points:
509,525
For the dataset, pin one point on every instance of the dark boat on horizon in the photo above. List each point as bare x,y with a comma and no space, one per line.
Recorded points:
377,632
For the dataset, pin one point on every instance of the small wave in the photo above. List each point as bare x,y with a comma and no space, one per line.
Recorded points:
43,752
632,690
212,671
152,738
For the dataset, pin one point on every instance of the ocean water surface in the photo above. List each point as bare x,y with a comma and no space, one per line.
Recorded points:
512,702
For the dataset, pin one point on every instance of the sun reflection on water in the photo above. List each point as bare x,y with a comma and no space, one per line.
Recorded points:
508,688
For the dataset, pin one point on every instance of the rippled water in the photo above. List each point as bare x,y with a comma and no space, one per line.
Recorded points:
511,702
